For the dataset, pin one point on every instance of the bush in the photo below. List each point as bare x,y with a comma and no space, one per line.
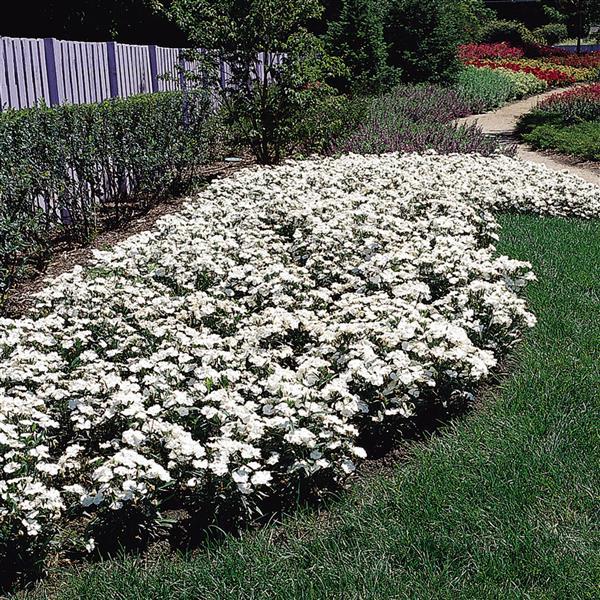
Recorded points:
357,38
423,39
470,17
551,33
264,102
513,33
64,168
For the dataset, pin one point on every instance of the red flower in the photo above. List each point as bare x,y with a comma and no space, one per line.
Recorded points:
500,50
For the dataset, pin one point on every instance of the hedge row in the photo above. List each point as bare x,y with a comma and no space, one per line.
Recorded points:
64,169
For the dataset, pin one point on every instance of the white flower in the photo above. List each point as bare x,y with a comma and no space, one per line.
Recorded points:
261,478
258,332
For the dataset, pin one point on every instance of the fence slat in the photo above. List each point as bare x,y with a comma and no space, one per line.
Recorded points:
59,71
113,76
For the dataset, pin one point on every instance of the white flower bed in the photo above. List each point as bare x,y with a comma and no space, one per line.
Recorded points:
248,338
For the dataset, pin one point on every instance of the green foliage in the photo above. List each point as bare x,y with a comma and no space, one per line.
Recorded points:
553,15
512,32
470,17
490,88
422,39
357,37
551,34
286,116
264,104
582,139
64,168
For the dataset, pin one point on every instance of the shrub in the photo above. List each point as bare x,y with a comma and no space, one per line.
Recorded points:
357,38
263,102
64,168
422,40
286,116
551,33
470,17
513,33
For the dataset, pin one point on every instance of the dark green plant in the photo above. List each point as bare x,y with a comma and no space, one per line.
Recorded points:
470,17
581,140
357,37
423,39
64,169
512,32
263,99
551,34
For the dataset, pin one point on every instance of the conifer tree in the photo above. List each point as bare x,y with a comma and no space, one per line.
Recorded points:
357,37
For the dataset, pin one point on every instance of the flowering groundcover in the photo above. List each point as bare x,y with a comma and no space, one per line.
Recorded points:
250,339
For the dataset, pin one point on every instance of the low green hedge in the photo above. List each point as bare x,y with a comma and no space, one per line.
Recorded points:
581,140
63,169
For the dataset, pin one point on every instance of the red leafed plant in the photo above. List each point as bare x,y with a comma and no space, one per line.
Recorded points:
580,104
552,76
478,51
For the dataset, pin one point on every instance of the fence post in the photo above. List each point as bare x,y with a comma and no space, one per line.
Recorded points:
153,68
113,78
50,56
222,72
184,89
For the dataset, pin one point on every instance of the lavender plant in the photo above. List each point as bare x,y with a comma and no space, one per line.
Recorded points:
417,118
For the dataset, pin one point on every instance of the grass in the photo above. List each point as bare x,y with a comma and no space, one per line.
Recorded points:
501,505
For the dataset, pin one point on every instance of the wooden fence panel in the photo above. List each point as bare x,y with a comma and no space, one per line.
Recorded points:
82,72
133,66
23,78
167,60
56,72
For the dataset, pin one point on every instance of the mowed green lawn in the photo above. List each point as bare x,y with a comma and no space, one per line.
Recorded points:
502,505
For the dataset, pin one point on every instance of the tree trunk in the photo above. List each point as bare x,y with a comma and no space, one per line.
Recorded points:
579,25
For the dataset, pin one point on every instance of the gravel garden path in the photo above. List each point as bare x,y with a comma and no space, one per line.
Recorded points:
502,123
